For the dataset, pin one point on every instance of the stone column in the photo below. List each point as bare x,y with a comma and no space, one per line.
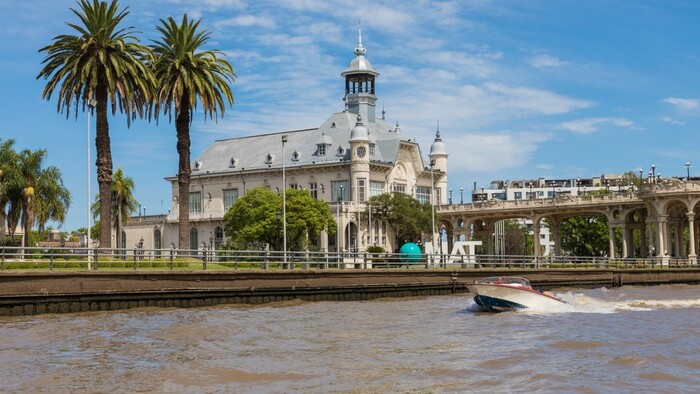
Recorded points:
536,239
643,246
661,241
626,241
691,235
611,235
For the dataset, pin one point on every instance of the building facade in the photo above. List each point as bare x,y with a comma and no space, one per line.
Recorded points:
354,155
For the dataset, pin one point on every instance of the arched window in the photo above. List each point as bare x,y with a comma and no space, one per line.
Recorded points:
194,240
218,237
157,241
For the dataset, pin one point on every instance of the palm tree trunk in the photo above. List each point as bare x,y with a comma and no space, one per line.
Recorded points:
182,124
104,167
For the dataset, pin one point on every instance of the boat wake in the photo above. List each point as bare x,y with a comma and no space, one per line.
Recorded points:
583,303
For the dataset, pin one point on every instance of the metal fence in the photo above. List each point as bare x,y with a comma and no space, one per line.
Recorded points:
29,258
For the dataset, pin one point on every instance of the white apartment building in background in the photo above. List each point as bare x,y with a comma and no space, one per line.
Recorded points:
541,188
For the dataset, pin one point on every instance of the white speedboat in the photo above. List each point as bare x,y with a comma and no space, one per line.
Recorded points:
504,293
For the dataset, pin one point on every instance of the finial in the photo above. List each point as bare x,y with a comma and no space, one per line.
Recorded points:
359,50
383,112
359,119
437,133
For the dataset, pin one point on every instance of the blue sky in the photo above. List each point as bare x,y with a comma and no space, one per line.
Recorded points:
522,89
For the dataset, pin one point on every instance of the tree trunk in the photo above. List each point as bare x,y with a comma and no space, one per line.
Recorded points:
104,167
182,125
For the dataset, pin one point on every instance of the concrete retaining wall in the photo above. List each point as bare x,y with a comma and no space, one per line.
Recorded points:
29,293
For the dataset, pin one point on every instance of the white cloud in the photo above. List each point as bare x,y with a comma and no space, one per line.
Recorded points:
532,100
670,120
246,21
682,103
590,125
482,150
544,60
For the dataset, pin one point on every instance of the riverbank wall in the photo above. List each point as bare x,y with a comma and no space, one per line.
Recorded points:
30,293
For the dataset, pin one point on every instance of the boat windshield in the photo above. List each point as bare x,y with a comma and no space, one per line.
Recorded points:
507,281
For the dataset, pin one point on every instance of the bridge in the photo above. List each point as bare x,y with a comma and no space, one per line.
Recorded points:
659,215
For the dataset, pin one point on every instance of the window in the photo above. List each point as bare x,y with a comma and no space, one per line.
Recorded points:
157,241
269,158
399,187
371,149
375,188
423,194
230,197
313,189
294,186
340,152
362,189
195,202
232,163
438,196
321,149
337,187
218,237
295,156
193,239
518,195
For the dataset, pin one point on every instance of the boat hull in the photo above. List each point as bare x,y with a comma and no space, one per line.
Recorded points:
497,298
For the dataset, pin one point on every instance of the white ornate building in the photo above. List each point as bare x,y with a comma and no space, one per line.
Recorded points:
352,156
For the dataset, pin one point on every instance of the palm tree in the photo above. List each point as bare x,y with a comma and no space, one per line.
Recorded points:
8,197
123,202
29,165
186,74
53,198
103,64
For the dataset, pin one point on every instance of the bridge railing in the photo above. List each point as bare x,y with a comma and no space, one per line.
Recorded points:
30,258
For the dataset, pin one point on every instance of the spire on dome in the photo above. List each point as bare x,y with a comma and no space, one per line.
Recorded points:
359,50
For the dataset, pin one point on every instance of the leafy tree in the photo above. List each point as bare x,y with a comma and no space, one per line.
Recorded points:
187,74
585,235
257,217
405,215
102,62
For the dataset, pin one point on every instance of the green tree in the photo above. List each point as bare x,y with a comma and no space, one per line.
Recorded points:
52,197
585,235
405,215
257,217
123,203
103,62
29,192
185,75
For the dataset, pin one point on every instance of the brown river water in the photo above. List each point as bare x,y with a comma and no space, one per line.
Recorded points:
626,340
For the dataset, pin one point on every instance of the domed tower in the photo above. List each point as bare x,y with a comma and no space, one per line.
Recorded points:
359,164
438,155
359,84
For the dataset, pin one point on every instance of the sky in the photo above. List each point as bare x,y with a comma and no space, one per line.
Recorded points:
521,89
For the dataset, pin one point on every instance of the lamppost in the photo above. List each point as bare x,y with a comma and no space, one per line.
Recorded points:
211,241
641,172
578,186
284,203
432,204
607,186
91,104
279,220
481,196
461,195
340,201
530,185
450,196
505,187
687,169
653,172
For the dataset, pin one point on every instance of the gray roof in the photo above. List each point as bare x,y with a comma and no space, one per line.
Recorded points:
265,151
